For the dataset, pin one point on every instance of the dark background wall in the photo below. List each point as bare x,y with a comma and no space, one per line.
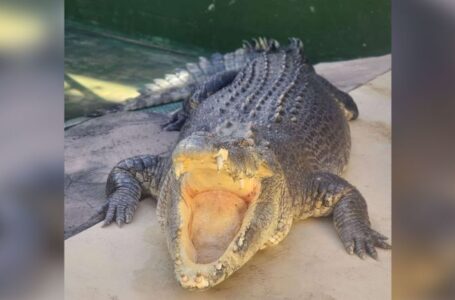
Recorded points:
330,29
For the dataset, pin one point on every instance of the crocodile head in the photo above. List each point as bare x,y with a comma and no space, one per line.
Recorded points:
224,198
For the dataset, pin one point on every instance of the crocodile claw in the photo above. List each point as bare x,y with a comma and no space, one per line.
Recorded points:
118,211
364,241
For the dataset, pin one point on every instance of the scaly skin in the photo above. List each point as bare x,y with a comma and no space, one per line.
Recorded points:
275,121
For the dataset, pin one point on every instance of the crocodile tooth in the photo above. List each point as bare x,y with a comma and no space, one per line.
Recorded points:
280,225
219,266
178,262
178,169
219,162
242,183
201,281
223,153
184,278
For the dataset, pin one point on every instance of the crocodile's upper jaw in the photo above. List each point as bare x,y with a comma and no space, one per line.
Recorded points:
216,206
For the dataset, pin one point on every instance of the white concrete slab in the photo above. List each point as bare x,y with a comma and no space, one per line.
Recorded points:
132,262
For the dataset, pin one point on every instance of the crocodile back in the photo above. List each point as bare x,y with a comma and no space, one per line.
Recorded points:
280,94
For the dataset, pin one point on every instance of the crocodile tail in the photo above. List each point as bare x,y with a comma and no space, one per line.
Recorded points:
261,44
296,46
181,84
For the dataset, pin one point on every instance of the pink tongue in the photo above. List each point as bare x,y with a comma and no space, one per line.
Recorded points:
217,217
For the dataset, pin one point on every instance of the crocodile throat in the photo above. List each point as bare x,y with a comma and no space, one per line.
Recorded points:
214,210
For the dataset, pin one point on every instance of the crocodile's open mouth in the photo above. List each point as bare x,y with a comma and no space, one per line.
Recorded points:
215,209
214,205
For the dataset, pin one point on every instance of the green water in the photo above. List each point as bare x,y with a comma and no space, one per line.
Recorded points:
101,71
152,37
330,29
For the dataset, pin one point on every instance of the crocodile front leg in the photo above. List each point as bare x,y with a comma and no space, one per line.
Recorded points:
129,180
325,194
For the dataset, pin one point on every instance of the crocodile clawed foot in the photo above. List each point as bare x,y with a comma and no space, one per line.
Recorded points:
118,211
176,122
363,241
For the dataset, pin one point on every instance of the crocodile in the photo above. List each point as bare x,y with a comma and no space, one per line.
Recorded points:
261,146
